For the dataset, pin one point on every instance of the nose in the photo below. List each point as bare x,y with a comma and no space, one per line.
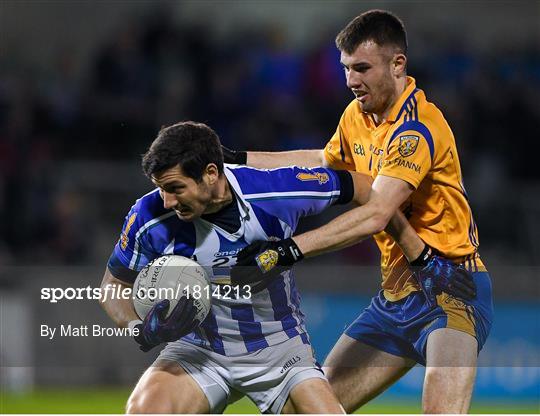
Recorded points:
169,200
353,79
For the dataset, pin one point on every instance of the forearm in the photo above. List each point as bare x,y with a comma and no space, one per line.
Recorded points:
347,229
120,310
270,160
405,236
398,226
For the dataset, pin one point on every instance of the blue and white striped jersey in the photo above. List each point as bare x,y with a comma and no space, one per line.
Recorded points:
270,204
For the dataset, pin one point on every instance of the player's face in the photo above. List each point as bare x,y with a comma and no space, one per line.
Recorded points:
188,198
370,71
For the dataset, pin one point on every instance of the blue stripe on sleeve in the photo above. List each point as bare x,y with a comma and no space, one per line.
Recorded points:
119,270
406,103
341,151
415,126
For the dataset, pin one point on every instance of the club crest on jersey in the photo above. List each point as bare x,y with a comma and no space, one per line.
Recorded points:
124,239
317,176
267,260
408,145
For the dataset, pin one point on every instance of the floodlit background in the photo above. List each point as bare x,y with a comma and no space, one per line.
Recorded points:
85,86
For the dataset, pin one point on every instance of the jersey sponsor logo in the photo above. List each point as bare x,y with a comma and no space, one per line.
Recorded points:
359,149
124,239
228,253
408,145
267,260
405,163
375,150
317,176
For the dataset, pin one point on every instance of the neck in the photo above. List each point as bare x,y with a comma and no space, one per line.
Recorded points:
221,197
400,86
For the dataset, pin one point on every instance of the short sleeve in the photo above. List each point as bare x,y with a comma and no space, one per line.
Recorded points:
409,154
132,251
290,193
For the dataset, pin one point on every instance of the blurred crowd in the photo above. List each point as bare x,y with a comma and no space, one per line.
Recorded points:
255,90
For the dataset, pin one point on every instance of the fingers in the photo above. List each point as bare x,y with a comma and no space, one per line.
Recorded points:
250,251
161,308
458,289
179,310
465,282
246,274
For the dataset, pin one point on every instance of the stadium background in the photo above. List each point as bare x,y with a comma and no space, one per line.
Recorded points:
84,86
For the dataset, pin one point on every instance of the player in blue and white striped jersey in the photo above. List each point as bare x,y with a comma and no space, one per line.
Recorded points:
255,343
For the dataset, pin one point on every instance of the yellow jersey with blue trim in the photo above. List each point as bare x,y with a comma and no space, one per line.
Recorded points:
414,144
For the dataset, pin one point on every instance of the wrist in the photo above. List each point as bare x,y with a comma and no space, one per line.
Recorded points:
294,250
240,157
423,259
133,324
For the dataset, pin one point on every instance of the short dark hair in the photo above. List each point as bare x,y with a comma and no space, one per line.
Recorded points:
379,26
188,144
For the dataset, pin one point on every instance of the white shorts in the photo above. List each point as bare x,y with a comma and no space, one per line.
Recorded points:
266,376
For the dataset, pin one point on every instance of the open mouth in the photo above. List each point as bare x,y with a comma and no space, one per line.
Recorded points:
360,95
183,211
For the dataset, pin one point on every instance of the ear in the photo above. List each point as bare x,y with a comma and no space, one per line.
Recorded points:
399,64
211,173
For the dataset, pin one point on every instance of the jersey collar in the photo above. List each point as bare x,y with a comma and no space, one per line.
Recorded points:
404,102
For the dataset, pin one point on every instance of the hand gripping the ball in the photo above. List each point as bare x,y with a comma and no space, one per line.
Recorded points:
157,328
436,274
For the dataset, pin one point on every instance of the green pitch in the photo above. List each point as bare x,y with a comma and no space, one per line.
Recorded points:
113,400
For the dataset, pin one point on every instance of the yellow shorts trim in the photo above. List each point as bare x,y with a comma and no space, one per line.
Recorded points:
460,316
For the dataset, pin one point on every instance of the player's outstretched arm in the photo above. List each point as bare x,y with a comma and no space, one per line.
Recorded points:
386,195
398,226
271,160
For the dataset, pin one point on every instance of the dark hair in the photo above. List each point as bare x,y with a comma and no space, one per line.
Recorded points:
379,26
188,144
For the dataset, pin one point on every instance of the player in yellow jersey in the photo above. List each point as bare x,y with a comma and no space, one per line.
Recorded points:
391,132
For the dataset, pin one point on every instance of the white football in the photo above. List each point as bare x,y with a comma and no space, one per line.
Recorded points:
171,277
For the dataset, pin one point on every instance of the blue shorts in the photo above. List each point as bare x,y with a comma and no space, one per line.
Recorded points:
401,328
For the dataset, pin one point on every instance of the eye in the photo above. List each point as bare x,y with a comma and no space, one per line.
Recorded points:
362,69
178,189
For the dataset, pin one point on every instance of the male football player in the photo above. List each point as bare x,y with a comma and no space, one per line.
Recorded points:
253,342
392,133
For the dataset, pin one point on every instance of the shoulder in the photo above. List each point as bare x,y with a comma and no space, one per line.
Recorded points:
147,212
423,119
150,205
